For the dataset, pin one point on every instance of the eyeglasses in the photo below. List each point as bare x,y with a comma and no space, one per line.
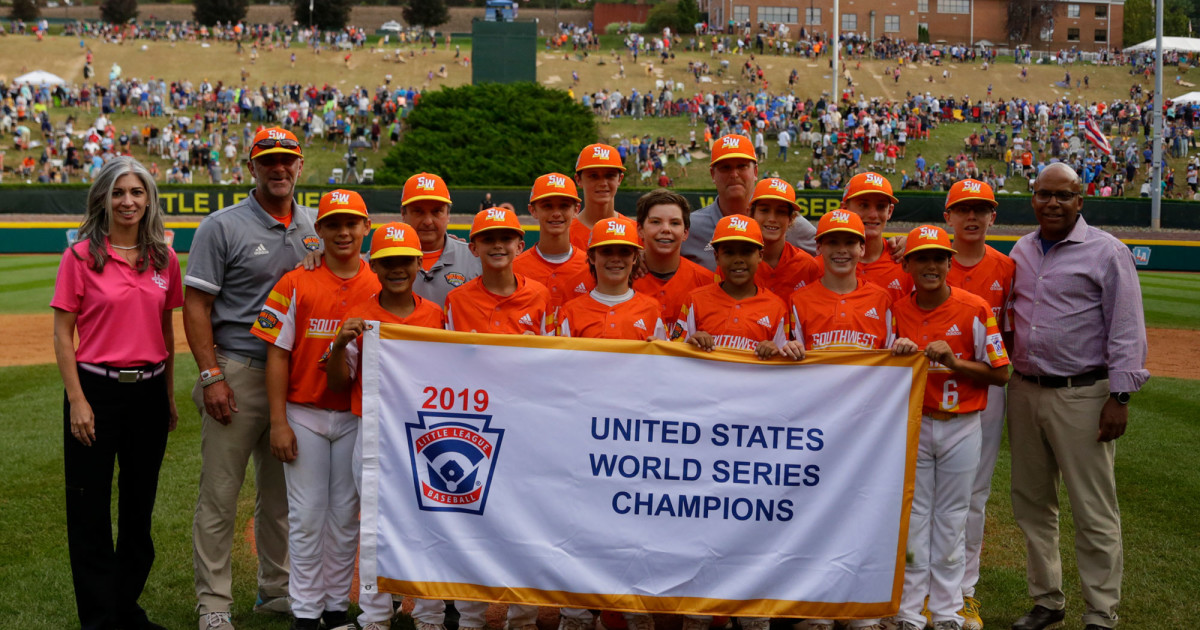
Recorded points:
283,143
1063,196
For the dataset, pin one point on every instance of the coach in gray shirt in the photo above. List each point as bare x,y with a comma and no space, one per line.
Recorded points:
426,207
237,256
734,171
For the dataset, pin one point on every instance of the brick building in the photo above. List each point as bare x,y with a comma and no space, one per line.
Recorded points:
1086,24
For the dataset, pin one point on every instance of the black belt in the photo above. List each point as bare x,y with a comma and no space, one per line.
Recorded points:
1056,382
128,374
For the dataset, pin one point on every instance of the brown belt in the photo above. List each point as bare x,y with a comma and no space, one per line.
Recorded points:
938,415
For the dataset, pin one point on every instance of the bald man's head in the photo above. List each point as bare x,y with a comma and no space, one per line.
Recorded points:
1057,200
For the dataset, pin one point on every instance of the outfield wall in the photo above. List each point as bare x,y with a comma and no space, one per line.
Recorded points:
914,207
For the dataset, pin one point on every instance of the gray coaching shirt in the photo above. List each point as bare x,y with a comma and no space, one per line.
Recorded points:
238,254
704,222
454,268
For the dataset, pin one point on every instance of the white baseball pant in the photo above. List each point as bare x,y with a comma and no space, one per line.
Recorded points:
471,614
947,458
322,510
991,422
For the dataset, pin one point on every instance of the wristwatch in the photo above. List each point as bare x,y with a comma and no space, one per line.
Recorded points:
1122,398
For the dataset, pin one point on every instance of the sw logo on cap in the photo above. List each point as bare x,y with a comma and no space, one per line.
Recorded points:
339,198
600,152
972,187
276,134
495,214
394,234
559,181
780,185
616,229
730,142
453,457
874,180
424,183
837,216
738,224
930,233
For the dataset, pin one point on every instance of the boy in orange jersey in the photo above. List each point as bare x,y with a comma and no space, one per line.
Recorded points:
957,333
612,310
663,219
869,195
979,269
784,266
554,261
736,313
395,260
501,300
599,172
312,428
841,311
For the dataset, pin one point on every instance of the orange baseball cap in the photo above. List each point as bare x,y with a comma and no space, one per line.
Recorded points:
733,146
927,237
866,184
274,140
395,239
618,230
599,156
970,190
737,227
495,218
775,188
425,186
553,185
341,201
841,221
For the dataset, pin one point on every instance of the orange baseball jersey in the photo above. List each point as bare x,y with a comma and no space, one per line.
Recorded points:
888,274
302,315
796,269
965,322
990,279
566,280
858,320
472,308
672,294
427,314
636,318
733,323
580,234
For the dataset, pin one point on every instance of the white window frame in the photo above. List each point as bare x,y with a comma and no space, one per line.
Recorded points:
891,24
812,16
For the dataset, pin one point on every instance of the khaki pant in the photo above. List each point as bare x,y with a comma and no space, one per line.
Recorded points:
1053,433
225,450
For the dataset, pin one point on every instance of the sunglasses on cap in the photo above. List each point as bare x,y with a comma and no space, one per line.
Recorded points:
271,143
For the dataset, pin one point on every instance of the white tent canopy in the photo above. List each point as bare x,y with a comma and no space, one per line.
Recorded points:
1187,99
1178,44
40,77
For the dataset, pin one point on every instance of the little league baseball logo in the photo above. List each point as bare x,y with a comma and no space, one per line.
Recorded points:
453,456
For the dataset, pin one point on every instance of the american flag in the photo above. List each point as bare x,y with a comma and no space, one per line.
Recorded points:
1092,132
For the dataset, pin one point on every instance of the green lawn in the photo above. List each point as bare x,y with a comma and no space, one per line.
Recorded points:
1157,488
27,282
1171,300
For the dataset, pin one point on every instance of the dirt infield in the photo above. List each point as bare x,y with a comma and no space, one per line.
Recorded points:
31,342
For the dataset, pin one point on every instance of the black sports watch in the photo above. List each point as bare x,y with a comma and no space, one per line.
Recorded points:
1122,398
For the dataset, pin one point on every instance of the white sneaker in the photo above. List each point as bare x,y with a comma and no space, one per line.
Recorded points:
755,624
378,625
813,624
571,623
216,621
421,625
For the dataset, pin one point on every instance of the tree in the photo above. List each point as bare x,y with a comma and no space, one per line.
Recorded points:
663,15
491,134
26,10
118,11
689,15
426,13
209,12
327,15
1139,20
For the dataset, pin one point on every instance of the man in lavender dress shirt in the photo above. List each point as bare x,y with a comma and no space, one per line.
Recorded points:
1079,351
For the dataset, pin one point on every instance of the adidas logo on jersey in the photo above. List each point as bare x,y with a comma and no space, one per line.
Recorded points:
872,314
895,285
525,320
954,331
580,288
996,286
640,325
261,250
765,321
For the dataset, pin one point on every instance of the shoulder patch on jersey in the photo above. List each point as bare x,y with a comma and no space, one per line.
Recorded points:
267,319
455,279
312,243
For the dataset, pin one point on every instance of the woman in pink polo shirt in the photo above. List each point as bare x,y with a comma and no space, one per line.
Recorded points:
117,287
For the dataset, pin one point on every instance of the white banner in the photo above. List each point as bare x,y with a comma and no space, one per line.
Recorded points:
636,476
